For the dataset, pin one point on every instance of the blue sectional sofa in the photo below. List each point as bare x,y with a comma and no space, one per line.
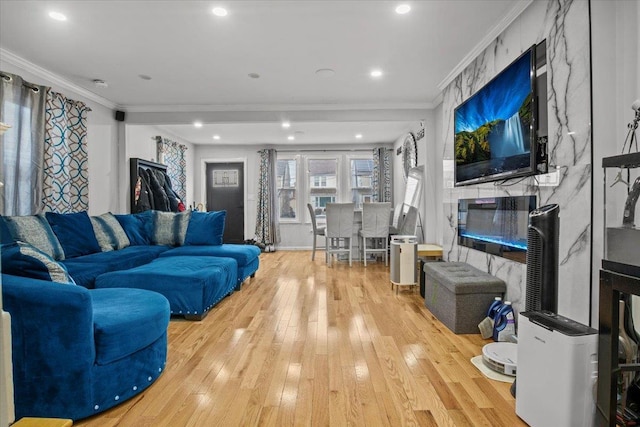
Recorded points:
78,352
90,300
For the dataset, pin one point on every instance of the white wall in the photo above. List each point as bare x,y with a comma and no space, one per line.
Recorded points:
564,25
102,145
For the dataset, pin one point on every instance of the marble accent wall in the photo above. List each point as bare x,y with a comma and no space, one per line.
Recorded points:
565,26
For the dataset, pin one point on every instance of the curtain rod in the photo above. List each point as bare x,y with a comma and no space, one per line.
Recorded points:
327,151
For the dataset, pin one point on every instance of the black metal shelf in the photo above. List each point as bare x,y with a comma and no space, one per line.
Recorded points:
631,160
612,284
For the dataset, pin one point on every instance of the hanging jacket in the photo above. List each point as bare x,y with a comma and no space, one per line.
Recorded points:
160,199
144,197
171,195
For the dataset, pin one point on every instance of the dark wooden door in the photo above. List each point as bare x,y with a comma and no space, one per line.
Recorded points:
225,191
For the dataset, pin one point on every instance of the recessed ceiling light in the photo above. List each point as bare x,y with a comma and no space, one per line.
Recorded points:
100,83
376,73
219,11
216,137
402,9
57,16
197,124
286,125
291,137
144,77
254,75
358,136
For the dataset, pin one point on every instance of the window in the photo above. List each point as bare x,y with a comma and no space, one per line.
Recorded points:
361,181
286,176
323,183
321,178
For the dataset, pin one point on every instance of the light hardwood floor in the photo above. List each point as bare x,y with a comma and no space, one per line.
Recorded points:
304,344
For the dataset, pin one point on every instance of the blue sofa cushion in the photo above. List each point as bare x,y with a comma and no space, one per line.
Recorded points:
205,228
75,233
170,228
109,232
191,284
86,269
243,254
137,227
84,273
22,259
35,230
126,320
5,234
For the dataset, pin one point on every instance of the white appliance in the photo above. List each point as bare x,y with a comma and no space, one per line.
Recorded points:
557,371
501,357
404,250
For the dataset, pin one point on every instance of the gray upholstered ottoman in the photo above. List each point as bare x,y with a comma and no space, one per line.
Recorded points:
459,294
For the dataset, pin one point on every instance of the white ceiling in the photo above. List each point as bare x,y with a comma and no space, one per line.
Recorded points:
200,63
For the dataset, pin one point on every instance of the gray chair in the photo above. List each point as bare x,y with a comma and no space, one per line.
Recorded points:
375,229
317,231
339,229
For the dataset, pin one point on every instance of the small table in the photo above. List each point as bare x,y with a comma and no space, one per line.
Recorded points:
426,251
43,422
430,250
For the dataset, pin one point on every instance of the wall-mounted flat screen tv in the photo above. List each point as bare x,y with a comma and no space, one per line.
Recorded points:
495,129
496,225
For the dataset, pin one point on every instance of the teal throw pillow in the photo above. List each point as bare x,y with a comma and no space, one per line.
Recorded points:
137,227
75,233
205,228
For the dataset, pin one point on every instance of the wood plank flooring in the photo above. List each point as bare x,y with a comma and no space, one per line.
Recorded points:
304,344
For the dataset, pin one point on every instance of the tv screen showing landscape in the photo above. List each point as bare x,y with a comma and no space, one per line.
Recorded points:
493,128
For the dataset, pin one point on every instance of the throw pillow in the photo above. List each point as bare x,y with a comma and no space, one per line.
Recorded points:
75,233
35,230
205,228
137,227
170,228
5,234
22,259
109,232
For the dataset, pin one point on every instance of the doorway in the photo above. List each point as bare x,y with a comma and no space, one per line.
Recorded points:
224,186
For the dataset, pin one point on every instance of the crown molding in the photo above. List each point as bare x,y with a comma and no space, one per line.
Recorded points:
17,61
516,11
194,108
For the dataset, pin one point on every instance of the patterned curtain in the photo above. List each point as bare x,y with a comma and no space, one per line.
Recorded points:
21,107
382,175
171,154
66,176
267,223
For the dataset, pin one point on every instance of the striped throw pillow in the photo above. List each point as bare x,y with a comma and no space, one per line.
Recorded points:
22,259
35,230
170,228
109,232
